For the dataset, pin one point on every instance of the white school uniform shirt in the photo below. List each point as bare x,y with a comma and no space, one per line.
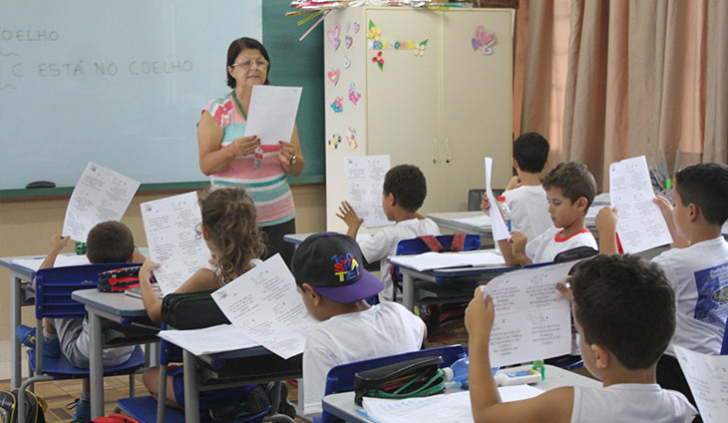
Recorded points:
384,244
529,210
700,275
384,329
630,402
548,245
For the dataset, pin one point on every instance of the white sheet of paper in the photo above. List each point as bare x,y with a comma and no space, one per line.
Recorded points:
364,182
532,318
431,260
63,260
498,225
641,225
264,303
100,195
451,407
215,339
272,113
479,221
171,226
707,376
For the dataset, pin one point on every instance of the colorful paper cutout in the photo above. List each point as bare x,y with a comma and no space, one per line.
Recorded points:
347,28
338,105
374,32
353,95
352,139
333,75
379,60
349,42
334,141
334,36
356,27
421,48
347,62
483,41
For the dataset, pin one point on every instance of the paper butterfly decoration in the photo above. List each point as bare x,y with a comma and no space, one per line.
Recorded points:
352,139
334,36
420,50
353,95
483,41
338,105
334,141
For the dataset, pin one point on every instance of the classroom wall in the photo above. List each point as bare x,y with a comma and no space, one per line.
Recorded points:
26,225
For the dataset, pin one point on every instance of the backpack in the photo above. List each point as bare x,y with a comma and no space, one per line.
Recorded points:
35,407
115,418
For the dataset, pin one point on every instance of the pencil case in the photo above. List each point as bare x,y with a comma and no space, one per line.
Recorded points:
192,310
118,280
408,379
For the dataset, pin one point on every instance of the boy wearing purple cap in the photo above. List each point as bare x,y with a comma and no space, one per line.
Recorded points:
334,286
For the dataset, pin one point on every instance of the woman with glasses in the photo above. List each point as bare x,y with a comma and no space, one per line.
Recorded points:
230,158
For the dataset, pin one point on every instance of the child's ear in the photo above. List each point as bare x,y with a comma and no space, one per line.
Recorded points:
602,356
514,163
581,203
693,212
206,233
309,291
391,199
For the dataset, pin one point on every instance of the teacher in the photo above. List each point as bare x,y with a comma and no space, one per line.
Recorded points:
230,158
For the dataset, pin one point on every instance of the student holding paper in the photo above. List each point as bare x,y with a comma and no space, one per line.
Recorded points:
624,310
230,158
699,270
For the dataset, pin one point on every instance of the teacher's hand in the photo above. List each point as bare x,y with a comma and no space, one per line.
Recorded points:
287,152
244,145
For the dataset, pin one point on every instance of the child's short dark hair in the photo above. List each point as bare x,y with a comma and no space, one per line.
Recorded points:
109,242
574,179
706,186
531,151
626,305
408,185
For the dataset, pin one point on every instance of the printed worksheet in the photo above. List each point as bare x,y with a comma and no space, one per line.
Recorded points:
211,340
641,225
364,185
272,113
100,195
498,225
172,226
707,376
264,303
532,318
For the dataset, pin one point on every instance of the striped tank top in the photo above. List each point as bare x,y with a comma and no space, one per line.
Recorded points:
268,185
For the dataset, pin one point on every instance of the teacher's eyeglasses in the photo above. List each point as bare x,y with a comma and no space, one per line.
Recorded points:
247,63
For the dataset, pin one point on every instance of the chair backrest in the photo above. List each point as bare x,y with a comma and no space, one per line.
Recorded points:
418,246
724,348
341,378
53,288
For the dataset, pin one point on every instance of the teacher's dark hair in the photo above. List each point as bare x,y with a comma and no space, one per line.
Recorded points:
234,50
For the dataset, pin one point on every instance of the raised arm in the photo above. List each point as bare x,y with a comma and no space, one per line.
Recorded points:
667,212
58,243
606,223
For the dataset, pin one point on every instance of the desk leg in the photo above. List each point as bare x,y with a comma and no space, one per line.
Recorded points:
191,379
15,320
408,292
96,365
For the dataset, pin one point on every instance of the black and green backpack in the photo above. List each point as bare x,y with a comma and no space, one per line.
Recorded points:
35,407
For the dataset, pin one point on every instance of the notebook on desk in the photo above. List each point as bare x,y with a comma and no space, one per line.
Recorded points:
430,261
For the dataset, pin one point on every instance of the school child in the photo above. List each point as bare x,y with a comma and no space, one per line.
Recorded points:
334,286
405,190
699,270
107,242
570,190
624,310
230,231
525,197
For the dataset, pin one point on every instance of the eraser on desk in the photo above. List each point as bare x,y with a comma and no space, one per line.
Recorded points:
519,377
40,184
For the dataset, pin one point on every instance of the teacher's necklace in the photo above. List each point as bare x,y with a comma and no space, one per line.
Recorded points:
245,115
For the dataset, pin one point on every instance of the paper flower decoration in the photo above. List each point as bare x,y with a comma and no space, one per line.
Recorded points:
420,50
374,32
338,105
352,139
334,141
379,60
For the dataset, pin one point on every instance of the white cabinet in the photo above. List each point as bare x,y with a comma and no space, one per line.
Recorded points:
443,107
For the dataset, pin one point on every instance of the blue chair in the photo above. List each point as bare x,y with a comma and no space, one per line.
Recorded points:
341,378
53,288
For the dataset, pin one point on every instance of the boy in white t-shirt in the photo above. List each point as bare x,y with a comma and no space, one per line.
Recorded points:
405,189
570,190
525,197
624,310
697,264
334,286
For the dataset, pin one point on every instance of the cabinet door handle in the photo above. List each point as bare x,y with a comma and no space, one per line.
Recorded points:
434,150
447,146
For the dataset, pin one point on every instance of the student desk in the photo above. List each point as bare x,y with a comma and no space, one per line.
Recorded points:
114,307
413,280
342,404
448,221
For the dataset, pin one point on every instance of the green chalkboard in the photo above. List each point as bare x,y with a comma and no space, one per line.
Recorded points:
299,63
